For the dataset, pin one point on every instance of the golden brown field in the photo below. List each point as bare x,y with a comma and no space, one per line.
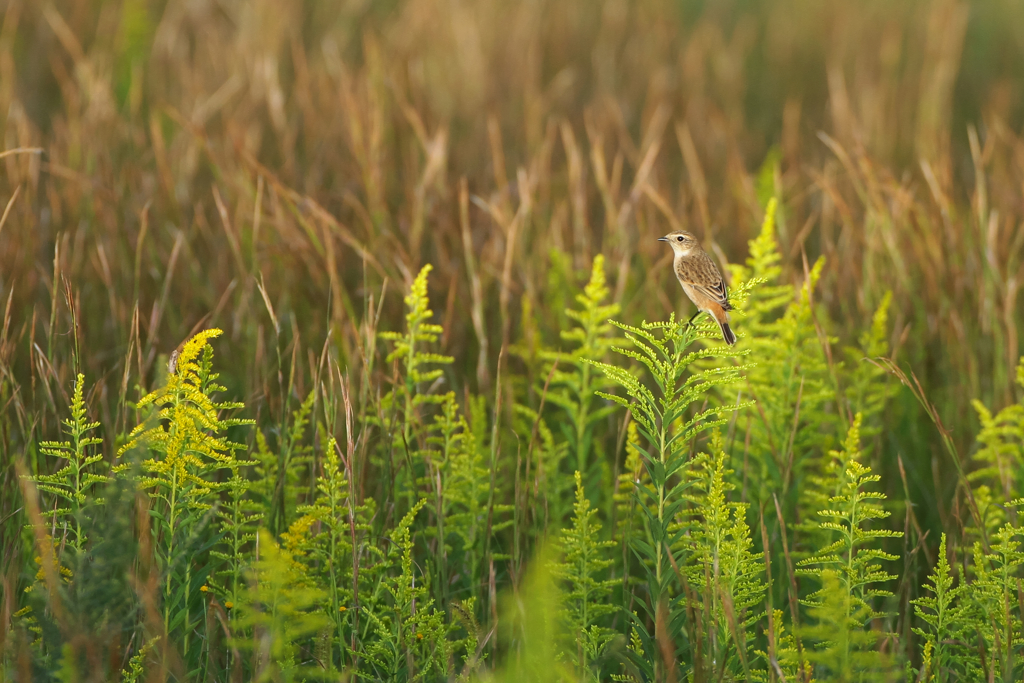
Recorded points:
504,467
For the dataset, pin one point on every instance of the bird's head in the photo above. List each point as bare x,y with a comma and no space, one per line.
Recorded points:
682,242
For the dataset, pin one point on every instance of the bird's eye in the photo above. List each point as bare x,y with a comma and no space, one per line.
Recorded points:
679,239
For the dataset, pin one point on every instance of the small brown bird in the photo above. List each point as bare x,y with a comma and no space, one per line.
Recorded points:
701,280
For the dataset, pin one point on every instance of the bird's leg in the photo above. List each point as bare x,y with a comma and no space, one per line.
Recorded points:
693,317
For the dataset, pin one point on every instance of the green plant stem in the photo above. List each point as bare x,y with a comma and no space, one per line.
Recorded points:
169,551
583,411
849,533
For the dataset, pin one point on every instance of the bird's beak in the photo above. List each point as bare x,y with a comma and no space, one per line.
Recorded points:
663,239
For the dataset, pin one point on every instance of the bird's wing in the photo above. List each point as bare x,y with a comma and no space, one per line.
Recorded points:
702,275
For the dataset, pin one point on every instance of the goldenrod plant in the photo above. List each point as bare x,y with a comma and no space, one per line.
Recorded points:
997,609
410,635
465,498
136,668
410,349
1000,457
629,520
946,625
73,484
668,423
281,616
548,497
184,439
869,388
790,384
532,630
280,474
848,566
837,642
323,539
574,381
348,589
726,575
239,519
581,569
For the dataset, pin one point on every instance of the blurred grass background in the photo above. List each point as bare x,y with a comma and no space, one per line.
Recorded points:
280,168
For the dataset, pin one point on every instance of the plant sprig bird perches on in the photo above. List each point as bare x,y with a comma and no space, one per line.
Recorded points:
185,437
700,279
668,420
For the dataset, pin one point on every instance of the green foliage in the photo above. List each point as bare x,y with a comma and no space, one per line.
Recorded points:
410,636
1000,458
997,599
761,304
134,35
586,595
573,383
974,630
467,494
667,424
946,628
839,646
443,439
322,540
408,349
868,391
766,187
561,281
184,438
89,589
283,612
783,658
789,379
403,411
628,518
238,520
727,576
396,594
316,582
530,628
280,475
467,486
791,384
849,568
136,665
71,485
551,494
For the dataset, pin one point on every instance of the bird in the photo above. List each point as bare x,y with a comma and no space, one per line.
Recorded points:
701,280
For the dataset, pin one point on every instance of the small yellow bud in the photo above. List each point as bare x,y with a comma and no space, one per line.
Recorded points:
204,589
229,604
419,636
342,608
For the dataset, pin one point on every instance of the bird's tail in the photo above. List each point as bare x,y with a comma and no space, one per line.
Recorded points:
727,334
